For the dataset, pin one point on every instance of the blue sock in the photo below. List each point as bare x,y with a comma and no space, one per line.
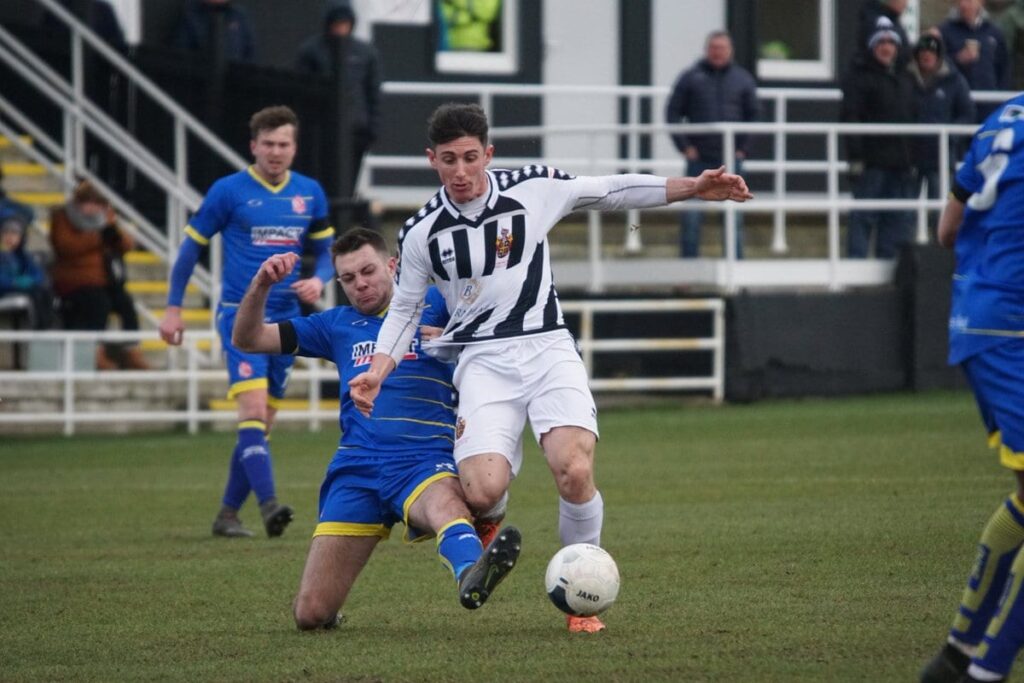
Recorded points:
255,458
237,488
458,546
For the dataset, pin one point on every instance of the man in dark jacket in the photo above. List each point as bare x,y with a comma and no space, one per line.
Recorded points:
942,97
363,75
875,91
867,19
714,89
978,49
193,30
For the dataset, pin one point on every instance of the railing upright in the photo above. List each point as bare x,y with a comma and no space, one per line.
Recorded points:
779,245
832,151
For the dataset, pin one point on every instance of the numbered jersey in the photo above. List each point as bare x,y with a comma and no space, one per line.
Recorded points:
988,288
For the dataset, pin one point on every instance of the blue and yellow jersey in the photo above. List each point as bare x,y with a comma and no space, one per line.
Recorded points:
257,220
415,410
988,288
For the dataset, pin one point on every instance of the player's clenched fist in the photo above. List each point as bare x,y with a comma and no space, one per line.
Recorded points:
276,268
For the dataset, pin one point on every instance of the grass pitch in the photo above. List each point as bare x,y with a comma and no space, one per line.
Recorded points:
822,540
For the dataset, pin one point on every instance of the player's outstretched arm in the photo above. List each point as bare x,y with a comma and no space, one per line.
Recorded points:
712,185
365,387
251,333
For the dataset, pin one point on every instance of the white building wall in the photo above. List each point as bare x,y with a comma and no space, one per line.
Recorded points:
581,39
678,31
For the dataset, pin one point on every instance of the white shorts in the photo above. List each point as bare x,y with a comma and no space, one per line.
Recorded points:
503,383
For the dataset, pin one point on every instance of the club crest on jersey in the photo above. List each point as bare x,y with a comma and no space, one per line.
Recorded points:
298,204
503,243
244,370
276,236
460,427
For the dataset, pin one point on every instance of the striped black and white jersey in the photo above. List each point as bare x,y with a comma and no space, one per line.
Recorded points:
494,269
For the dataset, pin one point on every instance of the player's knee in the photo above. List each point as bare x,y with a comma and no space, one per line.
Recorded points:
311,613
575,478
483,496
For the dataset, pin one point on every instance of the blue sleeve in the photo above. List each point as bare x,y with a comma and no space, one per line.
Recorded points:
435,314
324,268
213,214
314,336
188,256
321,234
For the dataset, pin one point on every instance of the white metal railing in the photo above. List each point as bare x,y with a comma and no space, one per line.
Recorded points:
589,346
68,373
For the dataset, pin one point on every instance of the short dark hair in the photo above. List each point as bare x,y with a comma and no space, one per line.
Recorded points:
357,238
271,118
456,120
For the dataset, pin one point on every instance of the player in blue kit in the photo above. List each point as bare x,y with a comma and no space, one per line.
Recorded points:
395,466
264,210
984,222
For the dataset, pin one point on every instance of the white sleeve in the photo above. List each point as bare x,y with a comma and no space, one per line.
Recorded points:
612,192
411,282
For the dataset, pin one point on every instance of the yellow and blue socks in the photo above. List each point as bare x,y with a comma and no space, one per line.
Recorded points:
998,569
458,546
254,456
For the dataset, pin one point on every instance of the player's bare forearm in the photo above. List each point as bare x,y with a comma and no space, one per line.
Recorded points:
711,185
949,222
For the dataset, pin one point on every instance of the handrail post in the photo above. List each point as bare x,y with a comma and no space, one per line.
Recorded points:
729,157
633,242
78,89
832,152
594,241
192,399
779,245
718,332
67,351
943,162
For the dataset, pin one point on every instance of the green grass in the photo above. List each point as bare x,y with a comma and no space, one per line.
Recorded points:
820,540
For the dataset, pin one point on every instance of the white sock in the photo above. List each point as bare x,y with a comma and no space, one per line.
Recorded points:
581,522
975,671
969,650
496,513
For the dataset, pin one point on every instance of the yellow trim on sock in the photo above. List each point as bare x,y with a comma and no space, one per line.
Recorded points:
995,439
253,424
351,529
460,520
247,385
1017,503
994,626
196,235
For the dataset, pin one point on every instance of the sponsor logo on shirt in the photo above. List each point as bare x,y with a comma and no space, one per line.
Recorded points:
276,236
362,352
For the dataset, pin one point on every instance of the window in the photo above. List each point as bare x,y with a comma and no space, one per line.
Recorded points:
795,39
476,36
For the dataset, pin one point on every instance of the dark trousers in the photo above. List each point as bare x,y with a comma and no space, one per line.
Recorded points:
690,220
892,228
89,308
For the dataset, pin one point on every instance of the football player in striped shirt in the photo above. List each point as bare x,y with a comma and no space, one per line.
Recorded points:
482,238
395,466
982,222
263,210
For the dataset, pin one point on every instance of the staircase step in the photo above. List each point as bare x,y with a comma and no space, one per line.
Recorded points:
282,404
189,315
154,287
12,169
161,345
6,143
39,198
145,258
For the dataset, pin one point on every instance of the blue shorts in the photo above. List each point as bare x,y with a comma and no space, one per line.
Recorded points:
365,495
248,371
996,376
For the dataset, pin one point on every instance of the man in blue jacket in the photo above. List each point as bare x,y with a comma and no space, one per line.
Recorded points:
978,49
714,89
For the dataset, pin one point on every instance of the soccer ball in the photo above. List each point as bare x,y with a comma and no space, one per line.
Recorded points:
582,580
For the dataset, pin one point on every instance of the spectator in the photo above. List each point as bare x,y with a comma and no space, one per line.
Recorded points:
942,97
867,21
1008,16
977,48
9,205
193,31
88,273
20,274
713,89
363,73
875,91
